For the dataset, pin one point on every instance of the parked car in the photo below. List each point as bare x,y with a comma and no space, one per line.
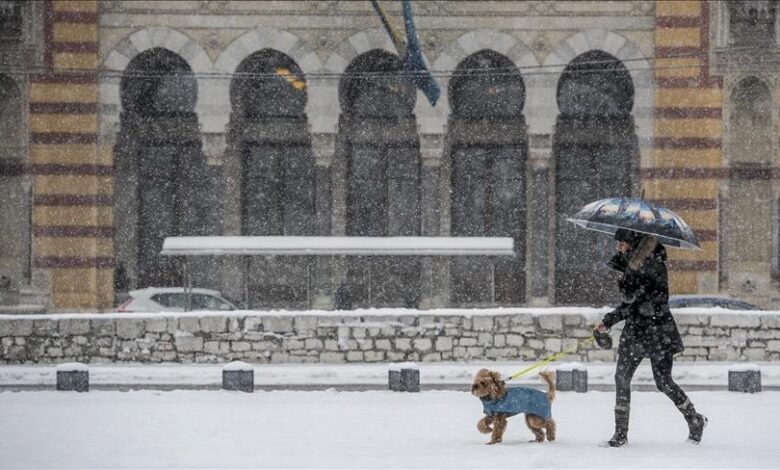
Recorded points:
174,299
697,300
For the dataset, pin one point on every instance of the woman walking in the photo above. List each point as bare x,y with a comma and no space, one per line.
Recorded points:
649,330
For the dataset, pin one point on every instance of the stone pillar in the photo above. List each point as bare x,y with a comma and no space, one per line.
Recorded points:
238,376
73,377
539,195
430,220
323,280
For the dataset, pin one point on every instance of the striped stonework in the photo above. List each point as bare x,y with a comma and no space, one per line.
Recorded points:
688,138
72,178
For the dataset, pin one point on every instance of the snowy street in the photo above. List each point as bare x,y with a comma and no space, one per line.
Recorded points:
374,429
210,428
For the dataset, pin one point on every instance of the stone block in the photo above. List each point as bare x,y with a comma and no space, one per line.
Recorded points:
155,325
129,328
73,377
238,376
213,324
550,322
404,378
482,323
305,323
735,320
188,324
422,344
74,327
747,380
23,327
188,343
443,343
572,378
278,324
332,357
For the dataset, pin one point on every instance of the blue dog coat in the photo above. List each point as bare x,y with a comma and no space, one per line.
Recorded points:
519,400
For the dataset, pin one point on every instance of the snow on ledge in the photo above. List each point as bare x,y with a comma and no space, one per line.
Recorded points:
744,368
571,366
590,313
403,365
72,367
237,366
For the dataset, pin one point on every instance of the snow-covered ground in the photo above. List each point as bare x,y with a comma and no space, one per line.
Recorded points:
371,429
710,375
364,429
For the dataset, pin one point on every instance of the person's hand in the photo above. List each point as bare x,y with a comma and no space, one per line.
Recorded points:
601,327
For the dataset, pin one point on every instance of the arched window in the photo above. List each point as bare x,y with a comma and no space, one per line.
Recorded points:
746,228
753,22
159,164
269,136
596,154
15,223
379,142
488,152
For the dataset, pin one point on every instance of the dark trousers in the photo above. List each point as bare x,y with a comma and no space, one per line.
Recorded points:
661,364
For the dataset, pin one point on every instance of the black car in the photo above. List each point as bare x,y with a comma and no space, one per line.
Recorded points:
704,301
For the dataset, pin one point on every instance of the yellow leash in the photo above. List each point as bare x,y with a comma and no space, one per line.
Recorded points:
549,359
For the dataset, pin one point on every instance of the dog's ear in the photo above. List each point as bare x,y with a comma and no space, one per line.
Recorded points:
496,378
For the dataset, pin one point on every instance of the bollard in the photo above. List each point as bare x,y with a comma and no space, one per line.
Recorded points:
73,376
571,377
745,378
404,377
239,376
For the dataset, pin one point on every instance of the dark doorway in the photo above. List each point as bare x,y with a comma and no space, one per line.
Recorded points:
488,152
596,154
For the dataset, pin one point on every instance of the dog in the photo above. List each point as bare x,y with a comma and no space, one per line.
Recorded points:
501,402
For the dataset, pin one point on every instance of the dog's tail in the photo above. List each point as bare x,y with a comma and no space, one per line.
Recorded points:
549,377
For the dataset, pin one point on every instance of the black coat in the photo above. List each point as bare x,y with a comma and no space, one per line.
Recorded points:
650,329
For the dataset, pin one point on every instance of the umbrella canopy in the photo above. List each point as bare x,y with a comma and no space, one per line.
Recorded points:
609,215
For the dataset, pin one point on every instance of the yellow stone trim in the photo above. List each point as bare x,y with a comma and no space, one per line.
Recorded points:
72,154
73,215
87,6
681,188
74,32
71,280
75,301
678,37
683,282
75,60
72,184
709,252
684,67
689,8
691,127
94,247
688,97
68,123
63,93
688,158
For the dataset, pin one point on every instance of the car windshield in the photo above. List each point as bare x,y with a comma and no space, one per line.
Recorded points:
198,301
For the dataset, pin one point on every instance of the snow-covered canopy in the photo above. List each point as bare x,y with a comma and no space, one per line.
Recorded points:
324,246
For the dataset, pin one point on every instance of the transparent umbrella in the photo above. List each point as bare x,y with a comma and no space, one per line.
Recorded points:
609,215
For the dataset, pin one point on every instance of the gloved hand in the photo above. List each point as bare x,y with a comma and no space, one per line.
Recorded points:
602,337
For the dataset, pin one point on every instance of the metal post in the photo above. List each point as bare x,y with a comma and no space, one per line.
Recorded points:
308,282
493,281
187,285
369,283
246,281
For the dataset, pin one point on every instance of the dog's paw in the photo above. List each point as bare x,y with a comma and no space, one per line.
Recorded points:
493,442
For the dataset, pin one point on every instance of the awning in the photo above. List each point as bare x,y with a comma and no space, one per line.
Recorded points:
338,246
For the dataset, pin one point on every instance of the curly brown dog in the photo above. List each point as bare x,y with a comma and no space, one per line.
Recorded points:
501,402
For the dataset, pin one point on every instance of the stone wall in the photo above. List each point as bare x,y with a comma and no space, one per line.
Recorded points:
360,336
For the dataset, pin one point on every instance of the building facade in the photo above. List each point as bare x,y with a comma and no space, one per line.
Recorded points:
125,122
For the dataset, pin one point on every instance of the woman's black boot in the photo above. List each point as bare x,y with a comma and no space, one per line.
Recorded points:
621,427
696,422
